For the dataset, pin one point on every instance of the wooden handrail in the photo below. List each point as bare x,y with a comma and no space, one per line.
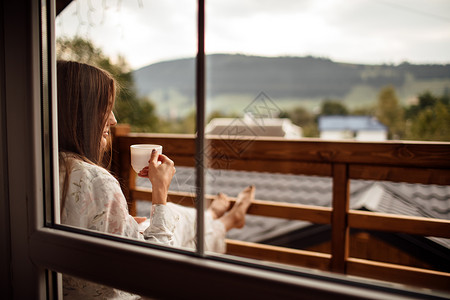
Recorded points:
277,254
291,211
400,224
412,162
397,273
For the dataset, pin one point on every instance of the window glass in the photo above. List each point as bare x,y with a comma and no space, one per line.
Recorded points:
332,66
276,74
288,71
149,49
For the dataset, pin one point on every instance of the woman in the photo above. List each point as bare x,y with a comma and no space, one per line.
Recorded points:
91,197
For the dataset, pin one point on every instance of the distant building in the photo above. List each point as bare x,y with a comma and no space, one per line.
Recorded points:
249,126
360,128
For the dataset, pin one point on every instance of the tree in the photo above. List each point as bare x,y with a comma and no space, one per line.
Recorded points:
432,124
430,118
139,112
303,118
426,100
390,113
333,107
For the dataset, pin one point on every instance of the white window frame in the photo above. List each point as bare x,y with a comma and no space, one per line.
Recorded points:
31,248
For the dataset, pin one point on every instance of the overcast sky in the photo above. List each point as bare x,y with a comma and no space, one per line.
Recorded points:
358,31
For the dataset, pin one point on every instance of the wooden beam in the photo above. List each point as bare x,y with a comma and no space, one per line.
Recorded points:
339,226
398,154
314,214
277,254
400,174
401,224
399,274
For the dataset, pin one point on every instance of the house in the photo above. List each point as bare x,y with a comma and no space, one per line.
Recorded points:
360,128
249,126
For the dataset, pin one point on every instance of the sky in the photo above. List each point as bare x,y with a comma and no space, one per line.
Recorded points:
353,31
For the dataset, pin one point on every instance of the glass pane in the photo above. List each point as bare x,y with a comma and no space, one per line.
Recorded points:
382,66
281,72
148,48
91,290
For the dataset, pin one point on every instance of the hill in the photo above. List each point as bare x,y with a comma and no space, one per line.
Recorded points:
234,80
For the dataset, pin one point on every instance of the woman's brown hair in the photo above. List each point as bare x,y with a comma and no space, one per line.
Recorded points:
85,99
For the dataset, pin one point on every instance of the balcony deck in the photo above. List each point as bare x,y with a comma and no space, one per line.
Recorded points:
410,162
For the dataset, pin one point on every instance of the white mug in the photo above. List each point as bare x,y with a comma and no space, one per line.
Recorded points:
140,155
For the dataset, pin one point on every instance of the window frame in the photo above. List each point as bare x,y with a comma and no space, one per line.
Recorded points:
35,248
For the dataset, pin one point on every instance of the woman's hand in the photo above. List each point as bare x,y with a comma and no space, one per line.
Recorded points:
160,175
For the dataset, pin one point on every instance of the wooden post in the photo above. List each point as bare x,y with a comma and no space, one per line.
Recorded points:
339,222
121,164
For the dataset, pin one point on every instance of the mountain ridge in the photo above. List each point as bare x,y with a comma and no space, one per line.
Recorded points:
287,77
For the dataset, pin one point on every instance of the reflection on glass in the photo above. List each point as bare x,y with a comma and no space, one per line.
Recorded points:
77,288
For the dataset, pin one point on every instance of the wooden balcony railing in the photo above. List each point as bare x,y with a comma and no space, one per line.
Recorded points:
411,162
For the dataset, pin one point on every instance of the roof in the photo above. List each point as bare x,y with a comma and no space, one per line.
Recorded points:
249,126
352,123
386,197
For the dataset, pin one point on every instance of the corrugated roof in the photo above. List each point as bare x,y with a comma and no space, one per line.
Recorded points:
351,123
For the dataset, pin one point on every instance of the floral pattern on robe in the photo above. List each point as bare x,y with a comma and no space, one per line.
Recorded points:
95,201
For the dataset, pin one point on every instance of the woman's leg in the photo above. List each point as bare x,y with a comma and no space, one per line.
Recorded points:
217,222
235,218
219,206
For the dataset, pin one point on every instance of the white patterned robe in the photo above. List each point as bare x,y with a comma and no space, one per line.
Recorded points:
95,201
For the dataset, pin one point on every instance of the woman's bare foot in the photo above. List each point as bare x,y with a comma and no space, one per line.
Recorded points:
219,206
235,218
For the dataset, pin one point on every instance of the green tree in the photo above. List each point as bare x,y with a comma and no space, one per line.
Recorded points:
425,100
333,107
303,118
432,124
430,119
390,113
139,112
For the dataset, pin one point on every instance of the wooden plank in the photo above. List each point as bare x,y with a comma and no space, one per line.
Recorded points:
400,174
184,199
314,214
401,154
422,154
182,145
291,211
401,224
400,274
277,254
339,226
120,130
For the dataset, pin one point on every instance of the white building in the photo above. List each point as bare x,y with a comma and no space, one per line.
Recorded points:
249,126
360,128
